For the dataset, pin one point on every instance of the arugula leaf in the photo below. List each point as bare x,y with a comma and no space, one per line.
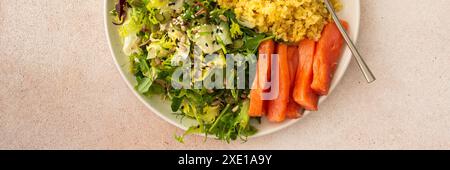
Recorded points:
224,111
147,75
176,104
251,43
210,114
191,130
242,120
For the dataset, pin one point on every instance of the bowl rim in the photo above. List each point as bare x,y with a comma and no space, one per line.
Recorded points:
337,78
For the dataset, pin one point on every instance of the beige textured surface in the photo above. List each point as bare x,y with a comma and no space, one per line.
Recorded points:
61,90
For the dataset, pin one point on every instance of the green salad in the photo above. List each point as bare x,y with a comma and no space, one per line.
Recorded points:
158,35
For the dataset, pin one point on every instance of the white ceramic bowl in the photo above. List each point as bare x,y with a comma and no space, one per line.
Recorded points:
350,13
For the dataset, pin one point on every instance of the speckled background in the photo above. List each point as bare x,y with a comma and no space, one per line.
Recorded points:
59,88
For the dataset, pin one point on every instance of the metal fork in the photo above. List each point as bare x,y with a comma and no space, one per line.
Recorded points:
361,63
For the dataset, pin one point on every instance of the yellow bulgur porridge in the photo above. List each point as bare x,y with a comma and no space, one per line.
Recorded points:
287,20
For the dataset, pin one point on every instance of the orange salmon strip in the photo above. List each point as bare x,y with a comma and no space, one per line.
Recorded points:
303,93
276,111
327,55
257,106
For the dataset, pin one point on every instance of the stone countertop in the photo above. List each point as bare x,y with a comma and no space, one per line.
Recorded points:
60,88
